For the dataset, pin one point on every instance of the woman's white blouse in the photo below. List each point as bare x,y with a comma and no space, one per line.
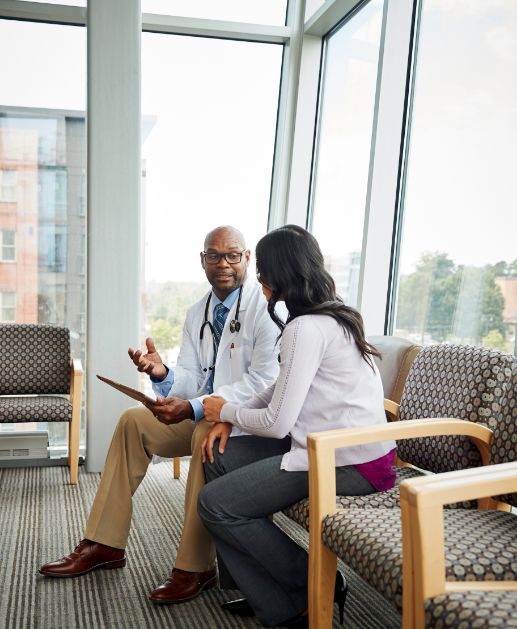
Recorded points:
323,384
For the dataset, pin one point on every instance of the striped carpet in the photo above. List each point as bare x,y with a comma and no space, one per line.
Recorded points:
42,518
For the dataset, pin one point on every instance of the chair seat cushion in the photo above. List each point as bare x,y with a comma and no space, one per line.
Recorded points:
41,408
483,610
299,512
479,545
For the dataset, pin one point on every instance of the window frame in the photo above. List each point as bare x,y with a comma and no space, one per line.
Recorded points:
11,187
3,307
4,246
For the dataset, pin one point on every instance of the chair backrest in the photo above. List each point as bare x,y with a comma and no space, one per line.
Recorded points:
35,359
504,444
462,382
397,357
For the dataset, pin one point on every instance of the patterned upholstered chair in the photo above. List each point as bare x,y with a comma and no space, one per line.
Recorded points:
458,410
397,357
470,577
39,382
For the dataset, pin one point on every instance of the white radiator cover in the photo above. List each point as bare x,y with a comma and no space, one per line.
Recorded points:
17,446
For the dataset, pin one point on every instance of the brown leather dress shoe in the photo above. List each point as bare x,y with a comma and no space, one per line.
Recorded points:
183,586
86,557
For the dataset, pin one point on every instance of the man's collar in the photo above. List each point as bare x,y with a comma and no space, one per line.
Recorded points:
228,302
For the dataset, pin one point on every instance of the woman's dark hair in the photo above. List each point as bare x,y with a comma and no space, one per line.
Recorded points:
290,263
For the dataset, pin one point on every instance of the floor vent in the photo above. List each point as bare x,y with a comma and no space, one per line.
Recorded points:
23,445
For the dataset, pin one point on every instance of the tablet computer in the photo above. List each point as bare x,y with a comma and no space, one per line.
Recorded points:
133,393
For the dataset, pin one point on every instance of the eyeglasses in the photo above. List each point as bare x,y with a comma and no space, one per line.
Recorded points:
233,257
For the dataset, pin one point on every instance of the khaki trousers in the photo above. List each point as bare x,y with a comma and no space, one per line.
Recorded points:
137,437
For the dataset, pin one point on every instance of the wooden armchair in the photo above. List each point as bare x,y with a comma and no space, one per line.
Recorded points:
39,382
457,404
464,568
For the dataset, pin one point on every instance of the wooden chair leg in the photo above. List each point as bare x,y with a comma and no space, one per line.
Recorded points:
74,428
73,453
69,430
322,578
176,462
408,568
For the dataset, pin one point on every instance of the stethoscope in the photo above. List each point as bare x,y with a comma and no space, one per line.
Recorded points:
235,324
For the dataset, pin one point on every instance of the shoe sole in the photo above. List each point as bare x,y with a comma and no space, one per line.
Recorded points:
208,585
243,613
108,565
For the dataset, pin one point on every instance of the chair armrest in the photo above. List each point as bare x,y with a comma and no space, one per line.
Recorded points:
422,500
76,366
328,440
76,377
392,409
321,448
461,485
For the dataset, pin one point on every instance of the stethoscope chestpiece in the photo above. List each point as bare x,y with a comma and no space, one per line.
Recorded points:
235,326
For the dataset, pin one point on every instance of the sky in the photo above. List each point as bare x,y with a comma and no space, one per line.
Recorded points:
211,108
345,132
462,185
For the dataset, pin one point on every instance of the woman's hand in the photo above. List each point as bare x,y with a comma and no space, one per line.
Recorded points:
212,406
220,431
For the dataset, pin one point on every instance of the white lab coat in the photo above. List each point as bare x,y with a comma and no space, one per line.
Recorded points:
246,362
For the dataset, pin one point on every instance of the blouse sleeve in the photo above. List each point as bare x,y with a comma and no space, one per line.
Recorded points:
302,350
261,400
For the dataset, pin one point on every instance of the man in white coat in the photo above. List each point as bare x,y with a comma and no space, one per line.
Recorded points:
228,348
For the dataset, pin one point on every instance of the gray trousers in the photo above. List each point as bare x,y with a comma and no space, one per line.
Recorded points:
269,568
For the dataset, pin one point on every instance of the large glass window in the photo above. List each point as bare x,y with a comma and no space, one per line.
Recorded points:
458,264
311,6
75,3
343,145
254,11
42,183
209,125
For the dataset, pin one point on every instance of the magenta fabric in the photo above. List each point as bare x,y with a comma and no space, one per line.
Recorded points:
379,472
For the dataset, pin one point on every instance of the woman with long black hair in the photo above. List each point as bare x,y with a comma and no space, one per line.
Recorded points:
327,380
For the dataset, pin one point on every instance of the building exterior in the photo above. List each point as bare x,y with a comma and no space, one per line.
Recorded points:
43,226
43,219
508,286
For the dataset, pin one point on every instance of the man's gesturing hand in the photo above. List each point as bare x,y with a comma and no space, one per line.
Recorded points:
171,410
220,431
150,363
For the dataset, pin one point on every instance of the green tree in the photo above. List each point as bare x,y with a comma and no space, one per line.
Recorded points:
167,304
495,340
426,297
163,334
443,301
511,269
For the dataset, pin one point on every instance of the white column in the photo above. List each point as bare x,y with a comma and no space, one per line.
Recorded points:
114,282
304,130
